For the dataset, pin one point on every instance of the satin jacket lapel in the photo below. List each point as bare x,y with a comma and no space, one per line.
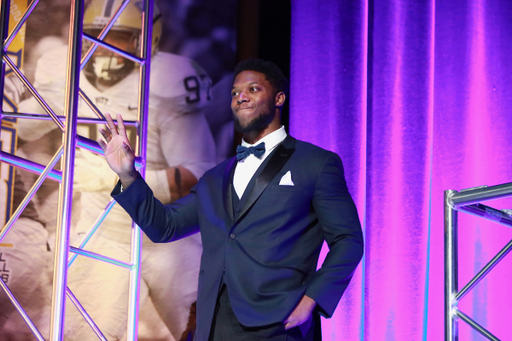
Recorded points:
227,184
277,159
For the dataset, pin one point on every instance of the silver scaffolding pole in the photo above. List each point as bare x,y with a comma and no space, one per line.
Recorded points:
450,267
142,131
66,186
71,140
469,201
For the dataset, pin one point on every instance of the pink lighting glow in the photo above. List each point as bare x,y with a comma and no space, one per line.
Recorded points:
415,97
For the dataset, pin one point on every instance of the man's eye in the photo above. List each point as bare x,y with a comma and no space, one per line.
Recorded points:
254,89
233,94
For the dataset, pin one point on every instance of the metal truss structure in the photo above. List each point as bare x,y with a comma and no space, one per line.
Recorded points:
468,201
68,125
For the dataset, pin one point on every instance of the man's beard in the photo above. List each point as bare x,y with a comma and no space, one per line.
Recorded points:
257,124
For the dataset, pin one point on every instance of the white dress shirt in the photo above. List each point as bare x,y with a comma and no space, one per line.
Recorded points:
246,168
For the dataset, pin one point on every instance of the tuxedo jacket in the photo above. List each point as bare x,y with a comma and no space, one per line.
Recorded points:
265,248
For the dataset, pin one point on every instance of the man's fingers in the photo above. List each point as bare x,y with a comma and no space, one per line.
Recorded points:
289,323
120,124
110,124
102,144
106,134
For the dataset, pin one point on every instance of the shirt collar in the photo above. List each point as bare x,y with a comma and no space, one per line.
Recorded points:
271,140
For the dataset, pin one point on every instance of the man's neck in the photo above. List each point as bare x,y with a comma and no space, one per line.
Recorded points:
254,136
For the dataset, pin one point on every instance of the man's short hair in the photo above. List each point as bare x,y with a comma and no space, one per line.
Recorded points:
271,71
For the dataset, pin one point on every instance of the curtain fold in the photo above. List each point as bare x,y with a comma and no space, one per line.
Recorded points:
414,96
330,63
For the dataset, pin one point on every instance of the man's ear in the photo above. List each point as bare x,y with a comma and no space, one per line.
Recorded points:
280,98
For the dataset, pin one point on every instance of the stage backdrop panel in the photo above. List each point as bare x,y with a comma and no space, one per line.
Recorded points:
190,126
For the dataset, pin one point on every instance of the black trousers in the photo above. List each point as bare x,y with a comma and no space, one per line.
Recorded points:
225,326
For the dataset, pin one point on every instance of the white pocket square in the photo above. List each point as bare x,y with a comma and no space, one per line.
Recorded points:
286,180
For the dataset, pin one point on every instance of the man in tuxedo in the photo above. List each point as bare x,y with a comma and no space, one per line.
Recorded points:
263,216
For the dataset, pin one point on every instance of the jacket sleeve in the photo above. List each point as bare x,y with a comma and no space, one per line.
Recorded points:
161,223
339,221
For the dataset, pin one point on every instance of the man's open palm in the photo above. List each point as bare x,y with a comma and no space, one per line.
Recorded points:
118,152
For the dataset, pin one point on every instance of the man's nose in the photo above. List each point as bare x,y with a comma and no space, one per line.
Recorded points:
242,98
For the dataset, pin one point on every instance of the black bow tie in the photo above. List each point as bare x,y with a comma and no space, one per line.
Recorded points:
243,152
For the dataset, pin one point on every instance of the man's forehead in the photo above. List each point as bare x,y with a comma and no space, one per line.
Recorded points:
238,84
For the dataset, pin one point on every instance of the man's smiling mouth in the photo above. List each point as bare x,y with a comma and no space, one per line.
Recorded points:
245,108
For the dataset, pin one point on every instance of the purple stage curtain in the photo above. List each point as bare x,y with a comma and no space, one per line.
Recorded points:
415,97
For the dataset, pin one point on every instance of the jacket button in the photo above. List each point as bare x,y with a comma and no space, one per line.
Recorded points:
232,236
